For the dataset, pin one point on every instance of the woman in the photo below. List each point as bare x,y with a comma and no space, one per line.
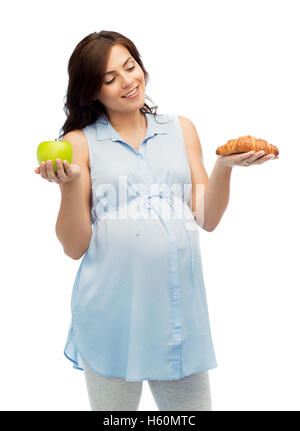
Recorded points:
139,308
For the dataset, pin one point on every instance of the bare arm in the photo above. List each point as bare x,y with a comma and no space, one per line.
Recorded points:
199,175
217,195
73,226
210,195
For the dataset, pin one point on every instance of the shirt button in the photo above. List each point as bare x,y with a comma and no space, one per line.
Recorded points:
105,204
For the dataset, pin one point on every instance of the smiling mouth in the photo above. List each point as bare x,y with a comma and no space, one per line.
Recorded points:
130,91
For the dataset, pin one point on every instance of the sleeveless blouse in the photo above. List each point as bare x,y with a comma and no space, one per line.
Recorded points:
138,305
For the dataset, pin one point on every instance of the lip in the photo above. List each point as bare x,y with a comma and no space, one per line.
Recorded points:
135,95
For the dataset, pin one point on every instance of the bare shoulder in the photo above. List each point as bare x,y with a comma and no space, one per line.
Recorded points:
195,158
191,138
198,172
80,147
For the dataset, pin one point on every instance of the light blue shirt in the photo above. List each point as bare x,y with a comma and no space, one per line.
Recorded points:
138,305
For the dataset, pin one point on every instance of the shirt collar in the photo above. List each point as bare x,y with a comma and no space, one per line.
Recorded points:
106,131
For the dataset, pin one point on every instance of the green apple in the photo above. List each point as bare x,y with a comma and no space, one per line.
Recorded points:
52,150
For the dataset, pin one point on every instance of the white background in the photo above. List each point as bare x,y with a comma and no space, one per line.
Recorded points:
232,67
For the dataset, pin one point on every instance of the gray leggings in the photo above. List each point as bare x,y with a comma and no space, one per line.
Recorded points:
115,394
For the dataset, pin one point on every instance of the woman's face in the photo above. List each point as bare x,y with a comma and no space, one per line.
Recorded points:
124,79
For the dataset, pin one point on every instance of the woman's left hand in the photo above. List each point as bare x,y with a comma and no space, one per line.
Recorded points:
246,159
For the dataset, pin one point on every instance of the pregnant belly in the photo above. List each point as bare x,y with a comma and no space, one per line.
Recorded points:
117,255
138,239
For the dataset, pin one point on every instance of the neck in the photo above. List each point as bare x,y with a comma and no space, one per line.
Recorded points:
127,120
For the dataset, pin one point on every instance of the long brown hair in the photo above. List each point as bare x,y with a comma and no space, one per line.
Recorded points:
86,67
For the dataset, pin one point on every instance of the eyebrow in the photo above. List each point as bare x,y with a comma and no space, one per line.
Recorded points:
113,71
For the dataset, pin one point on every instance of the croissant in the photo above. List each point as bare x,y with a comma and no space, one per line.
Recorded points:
243,144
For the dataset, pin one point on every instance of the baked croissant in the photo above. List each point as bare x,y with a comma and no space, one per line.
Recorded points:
243,144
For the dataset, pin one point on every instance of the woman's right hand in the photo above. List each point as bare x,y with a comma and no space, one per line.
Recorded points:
71,172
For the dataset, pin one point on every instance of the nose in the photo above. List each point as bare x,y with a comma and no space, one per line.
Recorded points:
126,80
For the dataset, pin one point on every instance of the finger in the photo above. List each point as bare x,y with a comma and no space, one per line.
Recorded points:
43,170
257,155
60,170
252,160
244,164
37,170
51,175
67,168
265,159
50,170
248,161
246,156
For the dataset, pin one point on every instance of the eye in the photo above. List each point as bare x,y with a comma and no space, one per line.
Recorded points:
109,82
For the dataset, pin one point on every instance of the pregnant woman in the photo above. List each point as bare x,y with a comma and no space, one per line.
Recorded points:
131,203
